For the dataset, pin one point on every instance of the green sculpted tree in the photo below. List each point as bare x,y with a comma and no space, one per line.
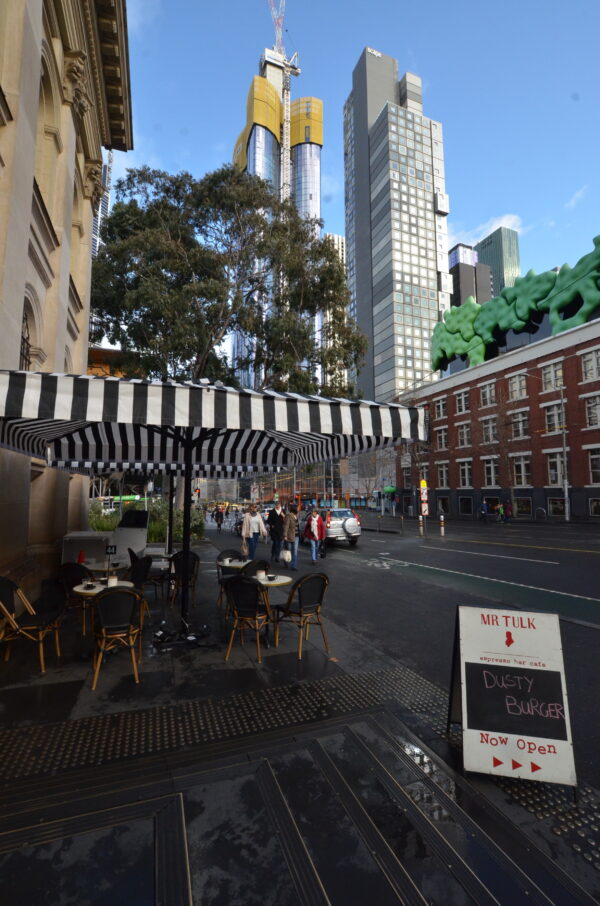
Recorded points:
188,263
576,292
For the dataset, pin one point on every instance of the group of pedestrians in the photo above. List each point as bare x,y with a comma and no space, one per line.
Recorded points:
502,511
284,532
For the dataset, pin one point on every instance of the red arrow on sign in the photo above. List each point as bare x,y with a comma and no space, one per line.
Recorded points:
515,765
535,767
497,762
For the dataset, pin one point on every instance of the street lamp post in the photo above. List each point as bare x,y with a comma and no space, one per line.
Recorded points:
565,476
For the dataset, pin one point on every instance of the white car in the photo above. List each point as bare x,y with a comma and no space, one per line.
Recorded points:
341,524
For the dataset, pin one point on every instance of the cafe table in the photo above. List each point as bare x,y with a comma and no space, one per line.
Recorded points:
87,591
278,581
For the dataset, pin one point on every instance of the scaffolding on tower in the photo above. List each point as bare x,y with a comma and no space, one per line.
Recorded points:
290,68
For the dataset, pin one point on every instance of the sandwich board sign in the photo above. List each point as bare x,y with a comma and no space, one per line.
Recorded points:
512,698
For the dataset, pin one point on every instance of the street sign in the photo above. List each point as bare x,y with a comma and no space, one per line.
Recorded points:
423,493
424,509
515,712
423,483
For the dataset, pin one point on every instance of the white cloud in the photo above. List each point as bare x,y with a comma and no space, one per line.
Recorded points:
470,237
576,197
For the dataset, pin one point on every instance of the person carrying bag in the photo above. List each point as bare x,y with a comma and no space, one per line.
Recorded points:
291,538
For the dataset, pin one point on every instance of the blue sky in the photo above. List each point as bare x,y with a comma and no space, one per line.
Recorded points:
515,86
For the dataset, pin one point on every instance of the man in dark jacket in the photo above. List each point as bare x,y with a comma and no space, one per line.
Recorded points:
275,523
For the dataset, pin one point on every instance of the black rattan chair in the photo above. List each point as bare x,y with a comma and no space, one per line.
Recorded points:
250,569
249,607
31,623
224,571
303,607
117,622
176,574
70,575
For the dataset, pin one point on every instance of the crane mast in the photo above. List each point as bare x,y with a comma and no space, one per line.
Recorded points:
290,67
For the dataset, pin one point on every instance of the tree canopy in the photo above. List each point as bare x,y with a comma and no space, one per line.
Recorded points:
188,263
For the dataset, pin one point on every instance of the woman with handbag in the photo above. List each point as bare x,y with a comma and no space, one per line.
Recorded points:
291,538
253,527
314,530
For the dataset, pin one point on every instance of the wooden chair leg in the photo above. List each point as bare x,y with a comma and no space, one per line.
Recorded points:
41,653
231,638
300,637
132,646
56,641
256,630
322,628
99,656
276,633
7,651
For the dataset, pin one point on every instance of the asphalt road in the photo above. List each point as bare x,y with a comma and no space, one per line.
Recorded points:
398,594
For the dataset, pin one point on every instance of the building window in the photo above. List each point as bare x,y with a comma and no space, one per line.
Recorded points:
522,471
490,473
552,376
595,506
489,430
595,465
592,411
443,505
555,468
519,422
487,394
466,474
406,477
465,506
554,417
443,475
590,365
464,435
523,506
556,506
517,387
441,408
462,402
25,354
441,439
424,471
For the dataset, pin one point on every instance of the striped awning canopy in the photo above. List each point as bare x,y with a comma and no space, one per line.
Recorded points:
90,422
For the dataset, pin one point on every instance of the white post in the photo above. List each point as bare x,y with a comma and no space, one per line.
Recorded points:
421,526
442,527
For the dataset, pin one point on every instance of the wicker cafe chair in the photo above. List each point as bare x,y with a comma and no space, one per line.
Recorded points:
139,574
70,575
249,605
176,574
117,622
32,623
250,569
303,607
225,572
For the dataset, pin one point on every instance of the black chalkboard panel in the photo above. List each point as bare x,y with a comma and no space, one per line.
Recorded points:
515,700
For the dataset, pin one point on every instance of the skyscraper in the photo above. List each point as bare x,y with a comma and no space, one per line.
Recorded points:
396,232
281,142
500,250
103,209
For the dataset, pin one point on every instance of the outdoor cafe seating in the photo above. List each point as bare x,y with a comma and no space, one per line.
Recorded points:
225,570
248,605
176,573
70,575
303,608
118,620
31,623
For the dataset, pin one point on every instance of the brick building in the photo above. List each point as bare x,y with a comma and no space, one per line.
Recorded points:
505,430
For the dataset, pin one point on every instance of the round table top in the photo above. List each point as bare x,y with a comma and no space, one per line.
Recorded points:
277,582
234,564
96,587
99,566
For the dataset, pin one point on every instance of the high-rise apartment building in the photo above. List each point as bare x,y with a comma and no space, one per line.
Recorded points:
396,232
339,244
103,209
500,251
281,142
470,277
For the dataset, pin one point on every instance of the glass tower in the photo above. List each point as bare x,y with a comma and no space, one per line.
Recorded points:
500,251
396,232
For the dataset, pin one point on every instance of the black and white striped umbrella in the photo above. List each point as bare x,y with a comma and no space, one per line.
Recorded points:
90,422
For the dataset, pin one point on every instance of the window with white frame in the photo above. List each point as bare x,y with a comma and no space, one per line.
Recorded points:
592,411
519,423
489,430
443,475
441,439
424,471
441,408
554,417
517,387
552,376
555,468
594,465
487,394
522,471
406,477
590,365
462,402
490,473
465,473
464,434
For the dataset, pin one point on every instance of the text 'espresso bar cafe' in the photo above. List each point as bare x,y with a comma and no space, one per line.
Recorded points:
515,711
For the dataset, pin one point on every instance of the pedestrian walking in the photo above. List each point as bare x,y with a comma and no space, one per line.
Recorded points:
500,512
253,528
507,511
483,511
314,530
291,537
219,519
275,523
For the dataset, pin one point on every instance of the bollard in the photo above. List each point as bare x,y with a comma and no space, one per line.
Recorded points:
402,524
442,527
421,526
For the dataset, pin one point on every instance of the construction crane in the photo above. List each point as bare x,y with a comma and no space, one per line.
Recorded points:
290,68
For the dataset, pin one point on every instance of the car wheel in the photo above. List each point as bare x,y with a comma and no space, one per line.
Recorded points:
353,542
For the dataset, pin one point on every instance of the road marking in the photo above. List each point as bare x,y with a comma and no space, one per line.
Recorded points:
456,572
456,550
535,547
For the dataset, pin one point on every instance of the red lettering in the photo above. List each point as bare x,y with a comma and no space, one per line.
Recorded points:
489,619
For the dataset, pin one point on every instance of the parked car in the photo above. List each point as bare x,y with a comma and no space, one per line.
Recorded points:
341,524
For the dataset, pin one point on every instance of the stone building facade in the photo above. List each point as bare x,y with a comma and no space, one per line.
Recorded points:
64,94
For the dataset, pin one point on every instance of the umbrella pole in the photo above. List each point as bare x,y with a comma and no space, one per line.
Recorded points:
187,518
170,523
